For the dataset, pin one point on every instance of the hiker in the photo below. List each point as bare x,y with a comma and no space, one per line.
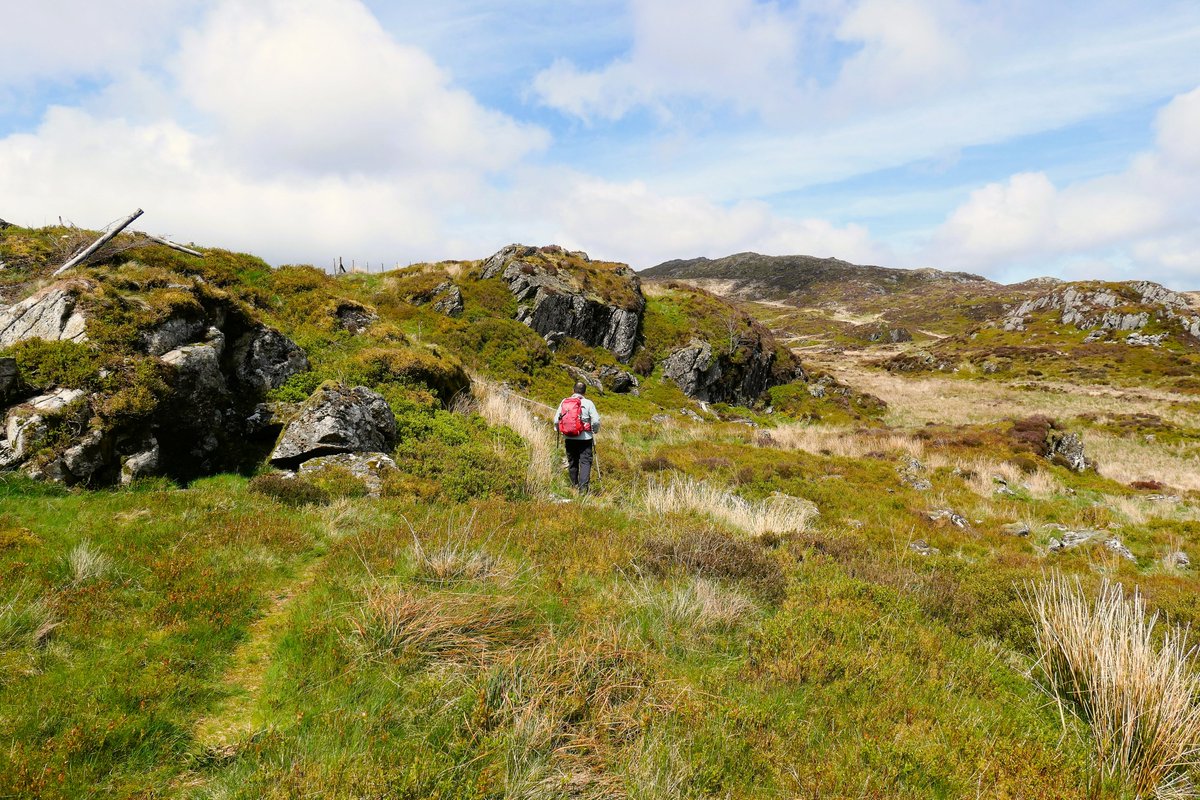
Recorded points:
577,420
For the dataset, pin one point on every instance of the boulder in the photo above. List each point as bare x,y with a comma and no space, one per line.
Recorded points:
923,548
142,464
584,377
336,419
1015,529
557,294
1068,449
448,300
263,359
173,333
49,314
369,468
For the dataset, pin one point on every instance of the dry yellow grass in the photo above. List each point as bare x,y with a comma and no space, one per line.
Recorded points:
1100,661
502,407
843,441
1128,459
774,515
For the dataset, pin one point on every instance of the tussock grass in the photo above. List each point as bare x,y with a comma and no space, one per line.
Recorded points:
712,554
400,624
778,514
501,407
699,606
1102,661
457,558
86,564
25,623
980,475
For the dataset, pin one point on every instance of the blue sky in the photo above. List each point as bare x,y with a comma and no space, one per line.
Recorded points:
1012,139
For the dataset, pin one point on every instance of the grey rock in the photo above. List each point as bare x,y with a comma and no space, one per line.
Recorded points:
1071,539
555,339
692,415
263,359
85,458
174,333
661,419
1015,529
692,368
25,423
370,468
448,300
1115,545
4,224
1067,447
142,464
550,303
337,419
1179,559
1142,340
619,381
816,390
584,377
957,520
354,317
50,314
923,548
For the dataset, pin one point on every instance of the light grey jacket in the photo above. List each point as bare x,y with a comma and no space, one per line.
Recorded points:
587,409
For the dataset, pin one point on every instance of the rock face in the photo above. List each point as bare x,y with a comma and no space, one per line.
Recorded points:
196,416
50,314
337,419
558,294
713,377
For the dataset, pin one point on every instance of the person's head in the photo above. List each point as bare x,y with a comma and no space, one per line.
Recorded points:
580,387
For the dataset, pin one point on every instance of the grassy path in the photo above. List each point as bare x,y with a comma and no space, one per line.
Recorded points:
236,719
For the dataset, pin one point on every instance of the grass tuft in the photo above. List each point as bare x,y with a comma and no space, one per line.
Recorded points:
86,564
1100,661
779,514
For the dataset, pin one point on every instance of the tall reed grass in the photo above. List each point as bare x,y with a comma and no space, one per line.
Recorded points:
1137,692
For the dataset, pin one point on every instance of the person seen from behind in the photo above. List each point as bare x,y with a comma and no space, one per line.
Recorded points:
577,420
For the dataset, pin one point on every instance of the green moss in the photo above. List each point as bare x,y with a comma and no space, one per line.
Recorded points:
43,365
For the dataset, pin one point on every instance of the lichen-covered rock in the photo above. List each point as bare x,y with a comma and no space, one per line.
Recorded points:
51,314
353,317
448,300
739,377
1067,448
369,468
263,359
337,419
566,293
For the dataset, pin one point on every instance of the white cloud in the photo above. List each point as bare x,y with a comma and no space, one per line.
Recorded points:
319,85
631,222
737,52
1148,210
53,40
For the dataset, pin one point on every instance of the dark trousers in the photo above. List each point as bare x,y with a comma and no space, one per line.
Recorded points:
579,462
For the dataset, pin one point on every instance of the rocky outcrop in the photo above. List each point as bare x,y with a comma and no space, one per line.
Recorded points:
352,317
444,298
51,314
619,381
1105,308
739,377
560,293
337,419
183,403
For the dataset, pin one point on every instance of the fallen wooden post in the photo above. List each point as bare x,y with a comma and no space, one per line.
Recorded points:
96,245
174,245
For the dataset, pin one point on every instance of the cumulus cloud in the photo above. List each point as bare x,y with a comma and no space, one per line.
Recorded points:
1147,211
629,221
737,52
319,85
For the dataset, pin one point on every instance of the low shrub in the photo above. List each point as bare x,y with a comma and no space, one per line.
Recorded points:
411,366
709,553
289,491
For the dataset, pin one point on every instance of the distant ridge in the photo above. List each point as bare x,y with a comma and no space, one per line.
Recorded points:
803,278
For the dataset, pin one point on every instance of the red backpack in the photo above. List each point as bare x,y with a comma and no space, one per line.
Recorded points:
571,421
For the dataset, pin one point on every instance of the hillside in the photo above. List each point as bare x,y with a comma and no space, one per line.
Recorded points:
275,533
